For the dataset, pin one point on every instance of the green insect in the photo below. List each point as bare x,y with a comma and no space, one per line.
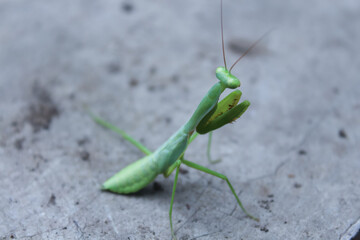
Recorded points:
208,116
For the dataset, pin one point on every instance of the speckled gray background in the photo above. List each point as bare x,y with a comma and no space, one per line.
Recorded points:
144,65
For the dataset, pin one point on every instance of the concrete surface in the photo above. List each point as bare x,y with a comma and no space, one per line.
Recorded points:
144,66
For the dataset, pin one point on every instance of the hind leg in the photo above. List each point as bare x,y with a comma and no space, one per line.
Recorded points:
117,130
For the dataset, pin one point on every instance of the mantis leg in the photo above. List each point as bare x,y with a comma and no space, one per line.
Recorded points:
208,151
177,163
216,174
120,132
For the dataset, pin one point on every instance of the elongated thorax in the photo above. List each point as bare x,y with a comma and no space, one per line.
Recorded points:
172,149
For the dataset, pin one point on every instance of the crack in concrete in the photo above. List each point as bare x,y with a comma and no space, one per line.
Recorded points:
301,143
197,209
205,235
78,228
43,232
39,233
112,221
60,228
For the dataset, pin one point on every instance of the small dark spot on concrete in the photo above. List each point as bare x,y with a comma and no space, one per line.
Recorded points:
113,68
12,236
64,228
270,195
40,157
168,120
127,7
72,96
152,70
285,222
187,206
264,229
240,46
151,88
265,204
183,171
42,110
16,126
37,166
85,155
133,82
19,143
106,222
83,141
144,229
237,46
12,201
175,78
52,200
185,237
157,186
297,185
342,133
201,55
77,203
291,175
142,140
302,152
336,90
41,116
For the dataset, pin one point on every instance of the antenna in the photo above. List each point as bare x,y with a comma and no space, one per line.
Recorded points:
249,49
222,33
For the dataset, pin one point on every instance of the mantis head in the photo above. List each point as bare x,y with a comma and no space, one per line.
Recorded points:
226,78
227,110
224,75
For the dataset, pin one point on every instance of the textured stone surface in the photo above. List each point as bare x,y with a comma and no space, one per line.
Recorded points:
144,65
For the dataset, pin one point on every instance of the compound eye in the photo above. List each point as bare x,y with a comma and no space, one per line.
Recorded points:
233,82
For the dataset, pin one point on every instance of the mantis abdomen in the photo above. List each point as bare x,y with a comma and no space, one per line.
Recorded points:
137,175
133,177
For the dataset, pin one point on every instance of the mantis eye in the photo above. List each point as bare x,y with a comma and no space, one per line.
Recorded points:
233,82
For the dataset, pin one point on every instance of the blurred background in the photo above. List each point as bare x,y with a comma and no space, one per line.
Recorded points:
144,66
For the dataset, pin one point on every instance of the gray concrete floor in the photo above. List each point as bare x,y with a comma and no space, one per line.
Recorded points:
143,65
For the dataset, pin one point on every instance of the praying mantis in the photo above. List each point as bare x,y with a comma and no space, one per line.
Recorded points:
209,115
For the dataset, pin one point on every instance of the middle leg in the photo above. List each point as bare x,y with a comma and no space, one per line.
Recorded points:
219,175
